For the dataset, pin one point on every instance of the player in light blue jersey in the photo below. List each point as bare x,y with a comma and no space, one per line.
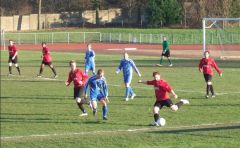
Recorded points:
89,59
126,65
98,91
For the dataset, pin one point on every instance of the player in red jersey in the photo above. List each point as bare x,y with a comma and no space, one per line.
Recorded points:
46,60
205,66
162,88
79,79
13,57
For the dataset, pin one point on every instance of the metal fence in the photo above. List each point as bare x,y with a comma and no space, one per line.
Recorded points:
98,37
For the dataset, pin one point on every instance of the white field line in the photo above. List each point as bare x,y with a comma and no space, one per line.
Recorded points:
56,135
115,85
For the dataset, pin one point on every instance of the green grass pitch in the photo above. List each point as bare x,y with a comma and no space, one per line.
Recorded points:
42,113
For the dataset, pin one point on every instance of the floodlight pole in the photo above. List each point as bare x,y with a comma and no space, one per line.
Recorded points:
204,35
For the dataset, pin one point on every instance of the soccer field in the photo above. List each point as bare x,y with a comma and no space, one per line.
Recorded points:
41,112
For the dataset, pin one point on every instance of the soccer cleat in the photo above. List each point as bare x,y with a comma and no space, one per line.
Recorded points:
55,76
213,96
9,75
160,65
126,99
105,118
39,76
184,101
83,114
170,65
133,95
206,96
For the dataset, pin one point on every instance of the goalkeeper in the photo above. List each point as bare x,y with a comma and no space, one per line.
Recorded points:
165,52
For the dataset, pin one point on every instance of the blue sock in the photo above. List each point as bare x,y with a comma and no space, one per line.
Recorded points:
105,111
127,91
131,91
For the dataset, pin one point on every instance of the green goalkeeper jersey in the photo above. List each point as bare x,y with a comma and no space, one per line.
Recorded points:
165,46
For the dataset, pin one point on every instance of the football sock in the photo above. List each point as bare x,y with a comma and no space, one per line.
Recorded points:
211,89
170,61
179,104
161,60
156,117
18,69
41,70
54,71
127,92
104,111
80,105
94,111
131,91
10,69
207,89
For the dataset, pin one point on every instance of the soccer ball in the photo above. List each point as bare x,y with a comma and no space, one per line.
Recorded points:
161,121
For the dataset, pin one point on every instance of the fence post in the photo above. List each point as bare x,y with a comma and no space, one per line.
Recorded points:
119,37
52,37
110,37
3,39
140,38
84,36
68,37
35,38
129,37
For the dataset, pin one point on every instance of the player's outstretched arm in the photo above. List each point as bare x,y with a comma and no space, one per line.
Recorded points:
174,94
141,81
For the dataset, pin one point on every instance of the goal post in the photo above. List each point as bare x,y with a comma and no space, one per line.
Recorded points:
222,35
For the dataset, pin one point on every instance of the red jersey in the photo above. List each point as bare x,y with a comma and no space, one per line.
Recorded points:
12,50
78,77
207,64
162,88
46,55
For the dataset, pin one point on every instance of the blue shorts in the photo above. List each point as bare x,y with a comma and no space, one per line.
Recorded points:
90,67
95,97
127,78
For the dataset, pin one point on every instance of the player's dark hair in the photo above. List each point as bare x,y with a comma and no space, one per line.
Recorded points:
100,71
72,61
44,43
155,73
207,51
10,40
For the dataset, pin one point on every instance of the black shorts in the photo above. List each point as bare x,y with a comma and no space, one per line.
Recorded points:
166,54
207,77
78,92
15,61
162,103
47,63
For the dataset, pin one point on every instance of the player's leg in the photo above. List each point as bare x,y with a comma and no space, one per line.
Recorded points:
86,69
176,106
78,91
104,108
53,70
156,108
10,65
161,60
15,61
93,69
94,105
41,69
169,58
208,79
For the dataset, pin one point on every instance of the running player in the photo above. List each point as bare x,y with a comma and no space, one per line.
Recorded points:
205,66
165,52
13,57
89,59
98,91
162,88
79,79
126,65
46,60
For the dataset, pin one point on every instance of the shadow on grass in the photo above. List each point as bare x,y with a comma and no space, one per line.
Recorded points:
43,97
190,131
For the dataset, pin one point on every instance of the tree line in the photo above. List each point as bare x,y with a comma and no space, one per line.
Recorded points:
156,13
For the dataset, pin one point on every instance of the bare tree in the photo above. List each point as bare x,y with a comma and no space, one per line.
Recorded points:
39,14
